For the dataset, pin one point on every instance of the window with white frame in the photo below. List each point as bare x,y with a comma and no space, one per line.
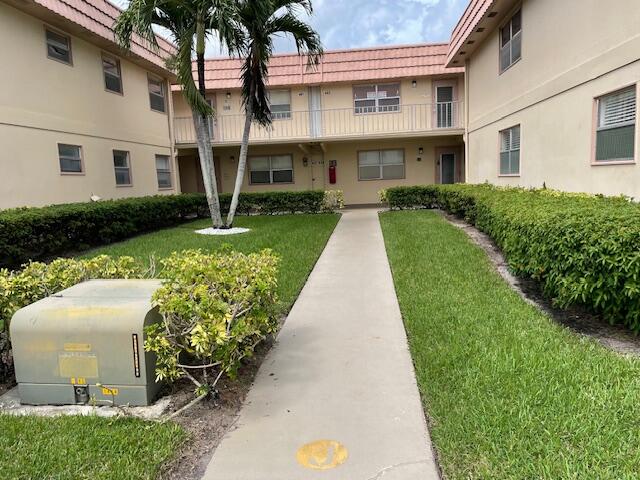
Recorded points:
163,171
381,164
271,169
156,94
510,151
280,104
616,127
376,98
112,74
511,41
58,46
122,167
70,158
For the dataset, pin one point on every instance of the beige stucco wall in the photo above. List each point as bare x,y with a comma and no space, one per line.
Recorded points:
346,154
572,52
44,102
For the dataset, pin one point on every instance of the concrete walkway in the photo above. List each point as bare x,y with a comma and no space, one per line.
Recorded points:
336,398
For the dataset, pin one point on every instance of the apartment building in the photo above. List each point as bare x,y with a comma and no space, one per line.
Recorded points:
363,120
80,117
551,93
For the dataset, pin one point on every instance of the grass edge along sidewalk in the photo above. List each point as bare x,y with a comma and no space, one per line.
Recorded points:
510,394
87,447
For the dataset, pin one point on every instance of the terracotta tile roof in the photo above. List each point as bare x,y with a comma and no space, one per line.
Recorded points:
98,17
377,63
470,19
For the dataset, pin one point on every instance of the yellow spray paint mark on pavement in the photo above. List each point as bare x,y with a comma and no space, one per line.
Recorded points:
322,454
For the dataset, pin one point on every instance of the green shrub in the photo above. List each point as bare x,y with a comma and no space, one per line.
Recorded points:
39,280
216,308
43,233
584,249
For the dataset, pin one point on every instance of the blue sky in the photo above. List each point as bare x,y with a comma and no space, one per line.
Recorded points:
363,23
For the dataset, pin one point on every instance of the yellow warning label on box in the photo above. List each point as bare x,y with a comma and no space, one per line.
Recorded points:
78,365
110,391
77,347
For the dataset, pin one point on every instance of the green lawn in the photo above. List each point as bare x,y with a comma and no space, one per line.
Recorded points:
298,239
510,394
78,448
72,448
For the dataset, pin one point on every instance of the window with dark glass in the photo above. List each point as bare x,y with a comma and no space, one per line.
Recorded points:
376,98
280,104
511,41
58,46
70,158
157,94
163,171
122,167
616,128
510,151
381,164
271,169
112,74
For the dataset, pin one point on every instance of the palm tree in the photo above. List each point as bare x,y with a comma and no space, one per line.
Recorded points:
262,21
190,22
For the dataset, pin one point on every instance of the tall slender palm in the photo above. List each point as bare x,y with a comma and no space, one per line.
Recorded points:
262,21
190,22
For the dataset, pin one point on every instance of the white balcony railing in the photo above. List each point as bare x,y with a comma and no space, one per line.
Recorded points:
318,125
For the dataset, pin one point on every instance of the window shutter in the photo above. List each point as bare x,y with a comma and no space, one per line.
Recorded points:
515,138
618,109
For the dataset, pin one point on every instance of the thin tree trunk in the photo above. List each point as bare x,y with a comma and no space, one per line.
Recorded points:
242,165
205,150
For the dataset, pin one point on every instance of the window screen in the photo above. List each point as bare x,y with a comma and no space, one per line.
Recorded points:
156,94
381,165
122,167
510,151
271,169
112,74
376,98
163,171
511,41
70,158
616,129
280,104
58,46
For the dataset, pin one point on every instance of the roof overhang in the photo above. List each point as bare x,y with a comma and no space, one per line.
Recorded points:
478,21
62,15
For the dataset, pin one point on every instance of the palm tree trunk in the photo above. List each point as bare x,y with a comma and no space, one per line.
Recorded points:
205,150
242,165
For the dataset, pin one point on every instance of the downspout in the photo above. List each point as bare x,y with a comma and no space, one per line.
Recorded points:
172,141
466,120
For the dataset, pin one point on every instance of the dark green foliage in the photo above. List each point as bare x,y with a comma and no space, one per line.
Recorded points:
42,233
584,249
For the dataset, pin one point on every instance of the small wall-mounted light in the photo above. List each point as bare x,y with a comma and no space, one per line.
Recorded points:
305,161
420,151
228,95
414,83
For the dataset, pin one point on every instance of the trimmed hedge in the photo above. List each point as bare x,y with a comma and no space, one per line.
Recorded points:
42,233
584,249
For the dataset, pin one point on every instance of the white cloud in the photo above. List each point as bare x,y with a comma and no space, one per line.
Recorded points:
362,23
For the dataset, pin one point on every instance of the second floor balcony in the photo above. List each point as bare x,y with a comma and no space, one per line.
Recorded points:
444,118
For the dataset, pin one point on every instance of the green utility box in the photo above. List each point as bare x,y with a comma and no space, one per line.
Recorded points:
92,333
